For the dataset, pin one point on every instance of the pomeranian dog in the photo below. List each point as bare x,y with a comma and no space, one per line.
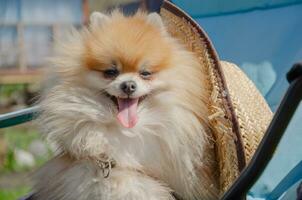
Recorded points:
128,115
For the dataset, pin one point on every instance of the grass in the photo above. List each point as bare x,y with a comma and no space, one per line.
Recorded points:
8,90
19,137
12,184
15,193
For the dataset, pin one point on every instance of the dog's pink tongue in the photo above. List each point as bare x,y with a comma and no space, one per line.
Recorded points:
127,112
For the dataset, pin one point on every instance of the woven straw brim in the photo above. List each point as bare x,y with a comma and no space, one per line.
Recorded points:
238,113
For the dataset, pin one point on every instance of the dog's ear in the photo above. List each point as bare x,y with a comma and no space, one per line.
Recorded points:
155,19
97,19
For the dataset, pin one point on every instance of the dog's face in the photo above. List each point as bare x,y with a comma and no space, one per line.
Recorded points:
124,58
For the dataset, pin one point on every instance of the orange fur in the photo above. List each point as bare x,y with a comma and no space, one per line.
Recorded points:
131,42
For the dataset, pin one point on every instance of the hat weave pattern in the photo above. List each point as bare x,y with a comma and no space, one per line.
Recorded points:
238,114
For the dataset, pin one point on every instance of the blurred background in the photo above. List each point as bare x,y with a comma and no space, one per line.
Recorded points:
263,37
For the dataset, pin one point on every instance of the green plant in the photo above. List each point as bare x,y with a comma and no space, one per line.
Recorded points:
13,194
10,163
8,90
20,138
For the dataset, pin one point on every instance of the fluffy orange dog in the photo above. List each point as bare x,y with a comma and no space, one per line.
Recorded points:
128,115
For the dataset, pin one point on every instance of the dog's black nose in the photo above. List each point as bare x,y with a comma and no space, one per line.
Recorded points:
128,87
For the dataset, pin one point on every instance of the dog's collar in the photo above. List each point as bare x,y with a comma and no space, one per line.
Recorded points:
105,163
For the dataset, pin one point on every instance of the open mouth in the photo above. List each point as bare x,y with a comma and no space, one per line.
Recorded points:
127,109
115,101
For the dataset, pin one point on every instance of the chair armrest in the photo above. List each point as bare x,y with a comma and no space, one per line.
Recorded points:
18,117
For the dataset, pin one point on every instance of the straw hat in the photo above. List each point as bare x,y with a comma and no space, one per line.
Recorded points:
239,114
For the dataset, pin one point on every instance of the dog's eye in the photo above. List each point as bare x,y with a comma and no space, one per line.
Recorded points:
145,74
111,73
